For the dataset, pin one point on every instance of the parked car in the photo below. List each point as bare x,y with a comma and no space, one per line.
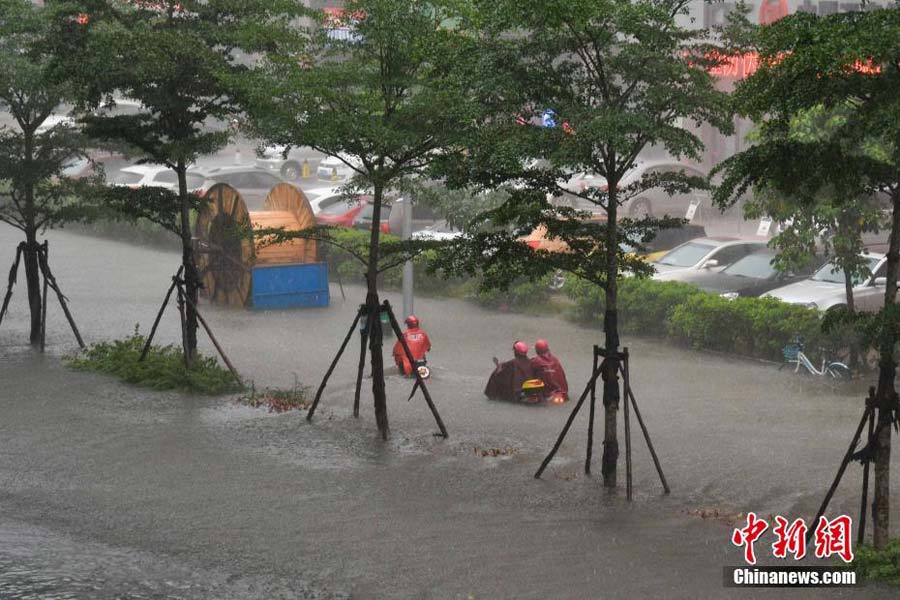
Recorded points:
334,168
322,198
273,159
652,202
703,253
825,289
342,213
439,231
253,183
363,218
748,277
79,167
136,176
422,216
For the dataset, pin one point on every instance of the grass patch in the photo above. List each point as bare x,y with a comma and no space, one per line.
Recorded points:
278,400
162,369
878,566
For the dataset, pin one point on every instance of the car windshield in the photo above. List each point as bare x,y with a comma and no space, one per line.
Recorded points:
687,255
831,273
757,265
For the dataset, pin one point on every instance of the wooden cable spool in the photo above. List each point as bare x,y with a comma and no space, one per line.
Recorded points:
226,255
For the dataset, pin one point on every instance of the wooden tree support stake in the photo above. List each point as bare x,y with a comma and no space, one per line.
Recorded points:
590,440
363,346
13,275
184,296
864,500
419,381
51,280
590,388
628,487
44,304
337,357
848,456
159,315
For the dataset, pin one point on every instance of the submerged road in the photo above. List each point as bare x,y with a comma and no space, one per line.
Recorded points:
109,491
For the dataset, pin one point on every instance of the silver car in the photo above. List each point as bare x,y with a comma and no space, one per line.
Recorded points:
825,289
708,253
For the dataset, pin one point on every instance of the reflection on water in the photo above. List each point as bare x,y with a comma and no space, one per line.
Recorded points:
37,564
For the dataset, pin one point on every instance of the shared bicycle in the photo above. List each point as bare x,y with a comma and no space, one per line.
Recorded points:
794,355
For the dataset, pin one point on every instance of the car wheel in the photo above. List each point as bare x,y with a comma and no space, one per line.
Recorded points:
639,209
290,171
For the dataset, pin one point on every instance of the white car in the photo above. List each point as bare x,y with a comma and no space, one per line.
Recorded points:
137,176
54,120
825,289
708,253
335,169
322,198
650,202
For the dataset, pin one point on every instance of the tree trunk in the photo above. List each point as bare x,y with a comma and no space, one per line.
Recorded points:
191,278
851,310
885,395
32,268
373,306
33,280
611,329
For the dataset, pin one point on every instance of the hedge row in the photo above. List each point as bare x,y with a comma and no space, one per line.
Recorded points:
758,327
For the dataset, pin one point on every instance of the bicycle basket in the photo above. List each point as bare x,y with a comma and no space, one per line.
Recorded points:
791,351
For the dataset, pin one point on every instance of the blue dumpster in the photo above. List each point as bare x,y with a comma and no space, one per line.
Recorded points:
290,286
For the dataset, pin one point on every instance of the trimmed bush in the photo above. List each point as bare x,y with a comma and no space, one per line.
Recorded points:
879,566
757,327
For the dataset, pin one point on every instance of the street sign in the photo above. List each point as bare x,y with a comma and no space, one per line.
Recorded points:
764,225
692,210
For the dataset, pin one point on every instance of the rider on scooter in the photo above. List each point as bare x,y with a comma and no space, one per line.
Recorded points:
506,381
548,368
418,343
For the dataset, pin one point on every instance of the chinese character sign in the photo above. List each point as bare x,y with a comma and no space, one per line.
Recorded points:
831,537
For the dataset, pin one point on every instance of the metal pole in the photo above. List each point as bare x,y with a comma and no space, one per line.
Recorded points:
406,233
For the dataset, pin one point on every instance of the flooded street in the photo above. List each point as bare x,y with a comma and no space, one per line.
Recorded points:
110,491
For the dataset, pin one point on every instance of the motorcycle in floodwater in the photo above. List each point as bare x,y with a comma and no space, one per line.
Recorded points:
422,367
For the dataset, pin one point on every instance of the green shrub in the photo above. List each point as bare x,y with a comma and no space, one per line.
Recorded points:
644,304
757,327
162,369
879,566
524,293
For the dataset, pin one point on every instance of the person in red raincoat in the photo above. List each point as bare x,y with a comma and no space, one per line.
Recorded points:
548,369
418,343
506,381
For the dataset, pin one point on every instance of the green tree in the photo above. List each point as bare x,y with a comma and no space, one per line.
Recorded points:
181,59
825,210
387,99
621,76
850,61
34,152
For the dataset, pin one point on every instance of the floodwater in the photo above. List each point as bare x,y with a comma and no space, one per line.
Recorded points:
109,491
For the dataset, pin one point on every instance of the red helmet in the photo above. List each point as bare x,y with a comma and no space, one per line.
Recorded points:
520,348
412,321
541,346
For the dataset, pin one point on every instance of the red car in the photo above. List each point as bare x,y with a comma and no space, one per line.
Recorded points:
346,213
